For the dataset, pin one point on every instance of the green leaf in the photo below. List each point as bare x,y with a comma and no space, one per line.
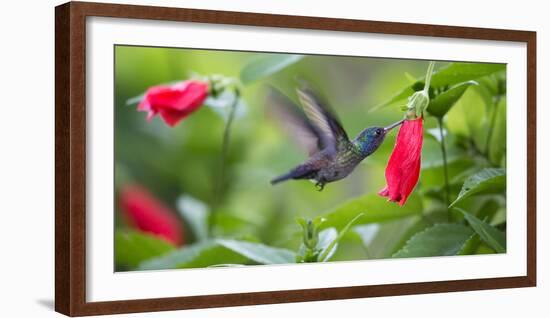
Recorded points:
326,237
134,100
449,75
488,180
267,64
259,253
439,240
198,255
468,118
132,248
382,240
226,224
499,217
219,252
196,214
497,144
404,93
374,209
329,251
470,246
490,235
488,210
484,249
404,231
455,73
410,78
441,104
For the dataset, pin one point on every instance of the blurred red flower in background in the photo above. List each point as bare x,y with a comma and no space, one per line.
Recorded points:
174,102
403,169
146,213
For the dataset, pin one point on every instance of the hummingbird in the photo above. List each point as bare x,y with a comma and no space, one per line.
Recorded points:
332,155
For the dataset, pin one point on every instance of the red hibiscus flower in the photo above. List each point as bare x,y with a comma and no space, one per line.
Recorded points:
403,168
174,102
146,213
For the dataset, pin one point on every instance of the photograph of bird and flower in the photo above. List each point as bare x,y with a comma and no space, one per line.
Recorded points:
227,158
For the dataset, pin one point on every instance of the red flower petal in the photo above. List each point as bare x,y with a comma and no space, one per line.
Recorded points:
146,213
403,169
190,95
172,117
174,102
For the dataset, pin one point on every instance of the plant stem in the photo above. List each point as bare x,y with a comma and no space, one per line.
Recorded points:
445,164
429,73
223,158
420,100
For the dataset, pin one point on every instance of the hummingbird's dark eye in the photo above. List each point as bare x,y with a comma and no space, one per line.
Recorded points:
378,132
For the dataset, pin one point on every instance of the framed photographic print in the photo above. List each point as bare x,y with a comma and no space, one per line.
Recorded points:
211,158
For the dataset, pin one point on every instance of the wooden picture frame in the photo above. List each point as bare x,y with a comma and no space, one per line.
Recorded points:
70,153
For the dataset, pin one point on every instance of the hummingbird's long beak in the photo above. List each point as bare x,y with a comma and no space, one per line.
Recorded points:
392,126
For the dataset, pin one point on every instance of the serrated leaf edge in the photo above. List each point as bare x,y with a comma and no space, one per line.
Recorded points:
419,233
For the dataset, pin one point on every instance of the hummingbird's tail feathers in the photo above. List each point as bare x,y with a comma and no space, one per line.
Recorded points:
282,178
300,172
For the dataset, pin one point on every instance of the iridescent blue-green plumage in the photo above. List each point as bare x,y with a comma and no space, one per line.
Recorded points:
333,156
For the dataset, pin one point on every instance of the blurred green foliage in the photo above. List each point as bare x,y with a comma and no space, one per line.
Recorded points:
255,222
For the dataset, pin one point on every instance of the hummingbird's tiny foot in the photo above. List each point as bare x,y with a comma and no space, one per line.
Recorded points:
320,186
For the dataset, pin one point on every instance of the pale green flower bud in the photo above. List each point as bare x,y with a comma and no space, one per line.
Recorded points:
417,104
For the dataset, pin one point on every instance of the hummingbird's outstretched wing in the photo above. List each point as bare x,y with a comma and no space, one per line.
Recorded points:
307,135
332,134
